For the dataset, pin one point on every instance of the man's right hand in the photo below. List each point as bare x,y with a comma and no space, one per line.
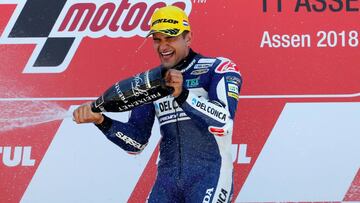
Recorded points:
83,114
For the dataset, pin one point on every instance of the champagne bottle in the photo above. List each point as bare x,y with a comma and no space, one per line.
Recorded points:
132,92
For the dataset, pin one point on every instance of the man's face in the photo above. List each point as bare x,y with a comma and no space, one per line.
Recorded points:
171,50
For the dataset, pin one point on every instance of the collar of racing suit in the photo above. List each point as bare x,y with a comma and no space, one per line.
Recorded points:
183,66
186,61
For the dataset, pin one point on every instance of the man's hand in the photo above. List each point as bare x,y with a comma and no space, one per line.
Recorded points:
174,79
83,114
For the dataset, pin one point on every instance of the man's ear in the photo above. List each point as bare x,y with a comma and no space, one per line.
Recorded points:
188,38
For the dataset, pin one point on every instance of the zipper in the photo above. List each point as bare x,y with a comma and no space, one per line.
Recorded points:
178,140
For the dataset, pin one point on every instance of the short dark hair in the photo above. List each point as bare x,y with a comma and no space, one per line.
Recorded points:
184,33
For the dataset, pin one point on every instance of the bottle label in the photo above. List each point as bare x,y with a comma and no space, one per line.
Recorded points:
136,86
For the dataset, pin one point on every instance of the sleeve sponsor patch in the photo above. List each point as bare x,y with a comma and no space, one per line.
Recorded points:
217,103
233,88
227,67
233,95
216,131
130,141
211,111
233,80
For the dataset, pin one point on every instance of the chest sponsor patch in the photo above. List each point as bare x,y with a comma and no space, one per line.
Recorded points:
199,72
189,66
203,65
190,83
206,60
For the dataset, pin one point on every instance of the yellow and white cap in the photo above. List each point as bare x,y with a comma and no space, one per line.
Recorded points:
169,20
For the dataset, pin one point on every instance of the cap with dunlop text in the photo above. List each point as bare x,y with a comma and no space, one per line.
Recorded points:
169,20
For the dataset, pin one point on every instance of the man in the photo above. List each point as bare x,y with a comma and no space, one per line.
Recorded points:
196,121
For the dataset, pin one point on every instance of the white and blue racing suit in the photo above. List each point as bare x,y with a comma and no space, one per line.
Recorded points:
195,150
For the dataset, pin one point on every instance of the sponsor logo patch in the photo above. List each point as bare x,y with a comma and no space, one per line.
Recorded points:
234,80
209,110
190,83
203,65
189,66
130,141
172,117
208,195
233,88
217,131
193,101
227,67
233,95
199,72
217,103
207,60
167,105
164,20
222,196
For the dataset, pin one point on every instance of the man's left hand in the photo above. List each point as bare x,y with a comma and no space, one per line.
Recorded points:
174,79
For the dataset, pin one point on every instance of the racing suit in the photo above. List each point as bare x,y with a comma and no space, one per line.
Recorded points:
195,150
